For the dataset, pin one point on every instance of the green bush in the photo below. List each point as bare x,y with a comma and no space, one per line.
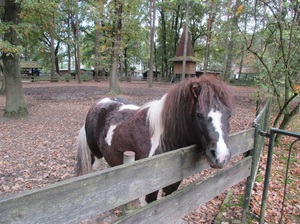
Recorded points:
56,78
85,78
67,77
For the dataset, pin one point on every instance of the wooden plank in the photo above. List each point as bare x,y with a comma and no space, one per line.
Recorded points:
79,198
173,207
241,142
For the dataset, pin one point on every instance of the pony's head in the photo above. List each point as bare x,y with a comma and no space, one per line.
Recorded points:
212,113
197,111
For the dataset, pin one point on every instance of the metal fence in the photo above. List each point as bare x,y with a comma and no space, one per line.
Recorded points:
273,132
261,133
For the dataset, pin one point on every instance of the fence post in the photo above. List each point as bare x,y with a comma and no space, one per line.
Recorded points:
261,125
128,157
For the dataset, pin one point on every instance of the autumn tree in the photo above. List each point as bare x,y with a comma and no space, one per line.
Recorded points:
117,38
15,103
276,45
233,19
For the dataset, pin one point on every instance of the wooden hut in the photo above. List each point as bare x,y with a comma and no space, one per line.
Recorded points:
191,60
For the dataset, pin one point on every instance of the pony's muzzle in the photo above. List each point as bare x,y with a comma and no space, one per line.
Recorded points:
218,158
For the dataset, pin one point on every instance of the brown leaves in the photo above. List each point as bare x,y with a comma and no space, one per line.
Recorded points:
40,150
297,87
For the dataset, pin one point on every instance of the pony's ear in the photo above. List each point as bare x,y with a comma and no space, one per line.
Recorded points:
195,89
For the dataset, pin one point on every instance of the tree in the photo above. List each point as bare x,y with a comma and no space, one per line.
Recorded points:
114,87
15,103
99,5
210,20
152,26
186,33
233,22
276,45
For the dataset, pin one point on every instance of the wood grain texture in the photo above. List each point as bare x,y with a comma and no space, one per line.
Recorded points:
76,199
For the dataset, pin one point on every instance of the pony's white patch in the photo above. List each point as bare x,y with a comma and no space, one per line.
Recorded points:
129,107
110,134
105,100
155,122
222,150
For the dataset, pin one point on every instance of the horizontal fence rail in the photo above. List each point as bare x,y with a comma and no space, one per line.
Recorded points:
80,198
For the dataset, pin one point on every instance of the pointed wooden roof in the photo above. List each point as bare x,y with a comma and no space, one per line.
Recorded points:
190,54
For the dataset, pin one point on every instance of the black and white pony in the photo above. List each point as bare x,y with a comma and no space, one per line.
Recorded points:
194,111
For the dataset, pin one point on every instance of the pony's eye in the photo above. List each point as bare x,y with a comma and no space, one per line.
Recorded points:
200,115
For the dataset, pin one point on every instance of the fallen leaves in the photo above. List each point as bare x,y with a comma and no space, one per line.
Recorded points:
40,150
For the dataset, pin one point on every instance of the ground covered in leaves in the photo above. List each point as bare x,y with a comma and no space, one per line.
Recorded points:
40,150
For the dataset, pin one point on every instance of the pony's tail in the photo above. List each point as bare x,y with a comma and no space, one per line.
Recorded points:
83,157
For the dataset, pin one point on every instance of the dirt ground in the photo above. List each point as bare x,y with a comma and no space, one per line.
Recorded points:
40,150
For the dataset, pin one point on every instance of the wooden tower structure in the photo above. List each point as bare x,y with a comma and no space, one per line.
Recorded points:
191,60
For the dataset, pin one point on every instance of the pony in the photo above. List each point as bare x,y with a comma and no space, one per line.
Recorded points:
193,111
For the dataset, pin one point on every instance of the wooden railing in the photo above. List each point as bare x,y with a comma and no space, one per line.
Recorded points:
80,198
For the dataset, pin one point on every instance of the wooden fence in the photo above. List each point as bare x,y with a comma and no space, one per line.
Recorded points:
80,198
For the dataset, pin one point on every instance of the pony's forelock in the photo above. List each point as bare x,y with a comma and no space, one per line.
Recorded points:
180,103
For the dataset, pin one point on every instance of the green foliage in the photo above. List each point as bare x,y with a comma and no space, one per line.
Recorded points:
67,77
85,78
8,48
56,78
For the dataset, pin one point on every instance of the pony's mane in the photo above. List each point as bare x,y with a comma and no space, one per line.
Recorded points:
179,106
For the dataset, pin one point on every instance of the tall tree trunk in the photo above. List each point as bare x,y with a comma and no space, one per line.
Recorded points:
15,103
229,60
186,33
97,22
78,71
69,46
233,22
176,27
56,58
152,25
164,69
97,44
208,35
113,78
2,88
127,76
52,50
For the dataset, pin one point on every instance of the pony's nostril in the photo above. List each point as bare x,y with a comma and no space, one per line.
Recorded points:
213,153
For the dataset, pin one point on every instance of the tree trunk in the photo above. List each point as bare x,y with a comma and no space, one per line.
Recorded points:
69,46
233,22
52,49
113,78
2,88
287,118
78,71
186,33
208,36
127,76
164,69
15,103
97,43
229,60
56,58
152,24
